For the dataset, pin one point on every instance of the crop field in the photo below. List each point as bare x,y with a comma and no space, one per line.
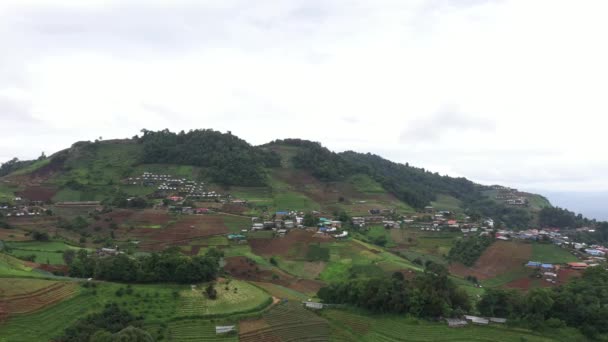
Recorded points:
19,286
550,253
233,297
354,255
289,322
44,325
38,193
46,252
13,267
13,235
197,330
157,302
501,258
29,302
236,223
395,328
282,292
285,246
179,232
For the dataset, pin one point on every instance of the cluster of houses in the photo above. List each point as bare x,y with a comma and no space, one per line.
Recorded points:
285,220
510,196
168,185
103,252
461,322
21,210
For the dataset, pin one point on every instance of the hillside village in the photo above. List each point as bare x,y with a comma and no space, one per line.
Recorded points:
285,244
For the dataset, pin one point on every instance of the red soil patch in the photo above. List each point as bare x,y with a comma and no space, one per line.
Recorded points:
233,208
13,235
244,268
179,233
38,193
566,274
283,246
306,285
62,269
526,283
500,258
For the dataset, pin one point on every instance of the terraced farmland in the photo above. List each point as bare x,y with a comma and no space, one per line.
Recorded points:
30,302
394,329
45,324
197,330
290,322
247,297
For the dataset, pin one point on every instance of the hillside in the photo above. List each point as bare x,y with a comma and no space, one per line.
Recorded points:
209,230
285,174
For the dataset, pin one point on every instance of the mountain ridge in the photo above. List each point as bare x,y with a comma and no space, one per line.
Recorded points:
94,170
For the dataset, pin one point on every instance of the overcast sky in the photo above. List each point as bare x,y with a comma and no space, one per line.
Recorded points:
509,92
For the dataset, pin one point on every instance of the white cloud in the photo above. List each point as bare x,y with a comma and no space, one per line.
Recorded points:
499,91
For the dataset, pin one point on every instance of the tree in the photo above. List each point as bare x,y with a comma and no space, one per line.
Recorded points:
132,334
310,220
38,236
211,291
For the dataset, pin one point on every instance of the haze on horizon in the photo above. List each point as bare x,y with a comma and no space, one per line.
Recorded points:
505,92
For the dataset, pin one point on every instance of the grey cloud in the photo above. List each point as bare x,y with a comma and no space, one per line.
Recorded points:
135,28
447,119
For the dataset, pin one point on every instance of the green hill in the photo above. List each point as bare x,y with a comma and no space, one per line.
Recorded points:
283,174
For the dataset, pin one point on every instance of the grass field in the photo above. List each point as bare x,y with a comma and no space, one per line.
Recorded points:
550,253
446,202
236,223
50,252
360,327
364,184
193,302
355,255
13,267
49,323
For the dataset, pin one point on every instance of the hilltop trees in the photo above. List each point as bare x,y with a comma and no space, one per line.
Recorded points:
228,160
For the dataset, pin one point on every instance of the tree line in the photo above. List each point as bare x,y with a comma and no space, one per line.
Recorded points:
579,303
429,294
167,266
226,159
555,217
111,324
467,250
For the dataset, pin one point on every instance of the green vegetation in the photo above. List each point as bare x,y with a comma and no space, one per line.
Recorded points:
446,202
13,267
361,326
317,253
365,184
168,266
561,218
429,294
550,253
49,252
228,160
232,297
468,250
